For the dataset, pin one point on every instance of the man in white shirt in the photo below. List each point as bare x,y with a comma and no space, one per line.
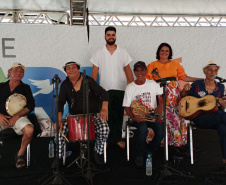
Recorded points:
112,63
144,91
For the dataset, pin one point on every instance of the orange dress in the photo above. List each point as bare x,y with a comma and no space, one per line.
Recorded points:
176,125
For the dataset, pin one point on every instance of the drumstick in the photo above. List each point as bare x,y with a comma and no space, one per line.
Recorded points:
64,136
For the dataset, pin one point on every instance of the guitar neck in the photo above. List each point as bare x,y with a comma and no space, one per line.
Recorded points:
224,98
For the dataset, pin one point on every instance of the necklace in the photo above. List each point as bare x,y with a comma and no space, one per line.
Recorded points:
209,89
77,80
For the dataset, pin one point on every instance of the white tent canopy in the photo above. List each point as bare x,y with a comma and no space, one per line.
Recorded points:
157,7
35,5
164,7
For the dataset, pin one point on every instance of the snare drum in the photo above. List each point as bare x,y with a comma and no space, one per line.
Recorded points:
76,127
15,103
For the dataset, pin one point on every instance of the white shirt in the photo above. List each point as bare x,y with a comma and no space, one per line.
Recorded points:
146,94
111,67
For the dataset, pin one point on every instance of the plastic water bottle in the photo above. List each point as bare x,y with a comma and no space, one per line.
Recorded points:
51,149
68,153
149,165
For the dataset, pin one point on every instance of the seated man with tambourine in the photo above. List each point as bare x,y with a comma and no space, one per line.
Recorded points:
71,91
210,120
16,101
144,91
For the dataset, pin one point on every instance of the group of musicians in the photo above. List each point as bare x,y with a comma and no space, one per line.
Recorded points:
108,100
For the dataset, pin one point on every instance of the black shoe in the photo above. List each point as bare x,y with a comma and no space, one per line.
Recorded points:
99,158
220,171
139,161
223,168
54,163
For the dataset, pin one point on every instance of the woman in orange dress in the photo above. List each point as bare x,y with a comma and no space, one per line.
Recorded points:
172,71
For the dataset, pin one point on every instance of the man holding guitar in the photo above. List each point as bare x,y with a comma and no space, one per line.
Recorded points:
210,120
145,92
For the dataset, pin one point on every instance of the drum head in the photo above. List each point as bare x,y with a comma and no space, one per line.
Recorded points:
15,103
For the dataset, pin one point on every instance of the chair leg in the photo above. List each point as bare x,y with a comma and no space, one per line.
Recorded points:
64,154
191,145
28,155
127,141
105,152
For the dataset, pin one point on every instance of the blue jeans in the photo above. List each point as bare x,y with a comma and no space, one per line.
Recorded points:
141,145
217,121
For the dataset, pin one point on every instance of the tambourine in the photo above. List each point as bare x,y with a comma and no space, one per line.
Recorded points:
15,103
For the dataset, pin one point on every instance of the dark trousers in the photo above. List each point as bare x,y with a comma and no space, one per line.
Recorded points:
141,145
217,121
115,115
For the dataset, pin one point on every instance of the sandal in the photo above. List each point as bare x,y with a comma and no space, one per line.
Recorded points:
20,164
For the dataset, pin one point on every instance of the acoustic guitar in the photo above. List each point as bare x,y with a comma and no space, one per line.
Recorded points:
190,107
141,110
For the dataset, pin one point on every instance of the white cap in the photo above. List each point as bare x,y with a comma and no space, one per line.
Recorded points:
17,64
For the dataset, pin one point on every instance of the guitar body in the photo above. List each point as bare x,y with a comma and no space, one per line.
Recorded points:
190,107
141,110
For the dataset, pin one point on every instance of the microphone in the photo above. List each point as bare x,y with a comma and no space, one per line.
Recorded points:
56,79
219,78
155,71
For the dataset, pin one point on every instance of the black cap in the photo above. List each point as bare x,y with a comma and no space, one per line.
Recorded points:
139,64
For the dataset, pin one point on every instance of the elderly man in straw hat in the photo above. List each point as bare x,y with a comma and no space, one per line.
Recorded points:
209,86
14,116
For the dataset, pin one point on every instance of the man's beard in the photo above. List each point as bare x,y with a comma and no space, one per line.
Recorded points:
110,42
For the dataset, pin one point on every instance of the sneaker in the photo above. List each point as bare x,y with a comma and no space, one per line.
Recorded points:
139,161
99,158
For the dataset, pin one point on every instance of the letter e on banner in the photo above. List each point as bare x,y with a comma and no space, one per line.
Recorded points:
4,47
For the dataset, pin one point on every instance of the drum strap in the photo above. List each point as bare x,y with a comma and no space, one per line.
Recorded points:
77,80
72,98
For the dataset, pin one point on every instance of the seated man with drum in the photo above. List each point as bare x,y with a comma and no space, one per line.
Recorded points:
146,92
16,101
71,91
209,120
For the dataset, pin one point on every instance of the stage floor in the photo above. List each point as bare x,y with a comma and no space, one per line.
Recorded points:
117,170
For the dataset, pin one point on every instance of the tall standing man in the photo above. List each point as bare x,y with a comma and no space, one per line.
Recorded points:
19,121
112,63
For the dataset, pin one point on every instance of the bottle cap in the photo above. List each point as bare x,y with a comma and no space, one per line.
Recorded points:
51,141
149,155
